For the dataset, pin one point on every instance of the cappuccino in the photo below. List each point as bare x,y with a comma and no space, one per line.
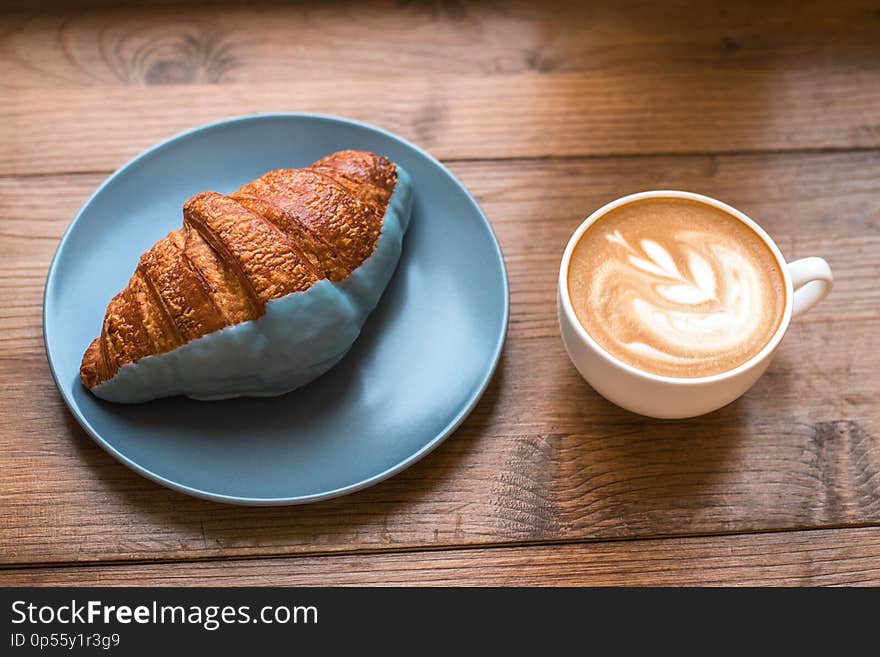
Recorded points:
676,287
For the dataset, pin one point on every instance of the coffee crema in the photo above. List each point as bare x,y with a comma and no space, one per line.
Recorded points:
676,287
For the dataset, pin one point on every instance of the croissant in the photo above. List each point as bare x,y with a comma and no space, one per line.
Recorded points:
260,291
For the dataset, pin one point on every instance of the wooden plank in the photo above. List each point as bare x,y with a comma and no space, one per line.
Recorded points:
198,43
542,457
811,204
836,557
464,117
478,82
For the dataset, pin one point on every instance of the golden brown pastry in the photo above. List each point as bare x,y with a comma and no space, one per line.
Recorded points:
287,233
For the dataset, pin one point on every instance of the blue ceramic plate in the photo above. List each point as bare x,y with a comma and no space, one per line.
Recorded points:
425,356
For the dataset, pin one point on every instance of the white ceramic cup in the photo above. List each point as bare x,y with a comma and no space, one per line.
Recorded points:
807,281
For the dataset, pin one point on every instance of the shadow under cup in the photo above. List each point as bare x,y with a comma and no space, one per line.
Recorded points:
805,283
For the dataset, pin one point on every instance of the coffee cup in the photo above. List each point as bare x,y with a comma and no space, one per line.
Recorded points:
802,284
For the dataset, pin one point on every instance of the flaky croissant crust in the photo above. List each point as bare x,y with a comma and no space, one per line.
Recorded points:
277,235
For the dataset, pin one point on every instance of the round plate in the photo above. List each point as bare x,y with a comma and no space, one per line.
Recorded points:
425,355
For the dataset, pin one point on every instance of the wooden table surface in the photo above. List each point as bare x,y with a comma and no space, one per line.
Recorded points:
545,112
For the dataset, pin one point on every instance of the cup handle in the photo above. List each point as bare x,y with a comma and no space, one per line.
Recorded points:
812,280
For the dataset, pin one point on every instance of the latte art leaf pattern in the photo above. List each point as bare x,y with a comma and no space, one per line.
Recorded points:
674,296
698,288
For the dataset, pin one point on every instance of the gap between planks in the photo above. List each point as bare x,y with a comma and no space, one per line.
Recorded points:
416,549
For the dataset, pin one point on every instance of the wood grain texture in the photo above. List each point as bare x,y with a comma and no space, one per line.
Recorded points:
251,42
85,91
535,116
542,457
839,557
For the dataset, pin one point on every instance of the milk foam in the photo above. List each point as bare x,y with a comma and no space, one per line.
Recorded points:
676,290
